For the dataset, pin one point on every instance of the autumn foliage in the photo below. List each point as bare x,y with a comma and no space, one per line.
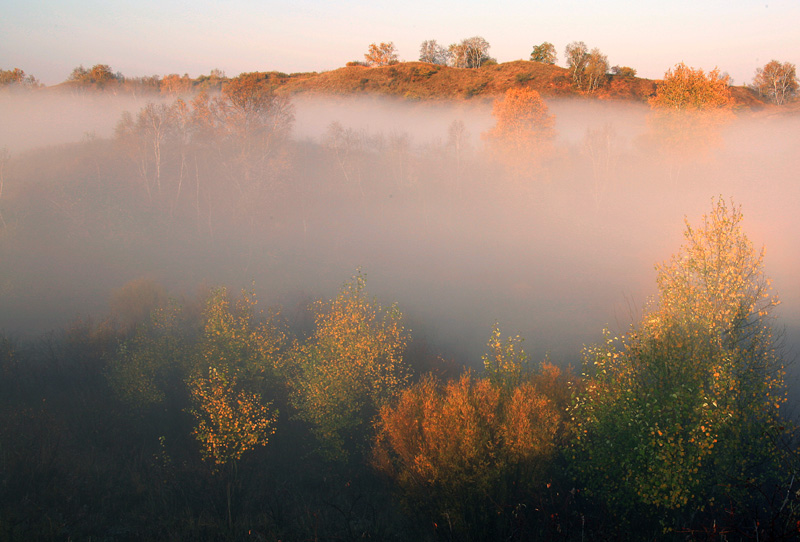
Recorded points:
465,453
348,368
682,413
689,108
523,131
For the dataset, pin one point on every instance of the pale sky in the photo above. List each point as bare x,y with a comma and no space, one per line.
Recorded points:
48,38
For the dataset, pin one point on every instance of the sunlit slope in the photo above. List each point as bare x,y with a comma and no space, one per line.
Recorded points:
422,81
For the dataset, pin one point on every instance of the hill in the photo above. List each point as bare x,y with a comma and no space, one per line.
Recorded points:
423,81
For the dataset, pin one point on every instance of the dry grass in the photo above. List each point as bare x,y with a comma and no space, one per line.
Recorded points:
422,81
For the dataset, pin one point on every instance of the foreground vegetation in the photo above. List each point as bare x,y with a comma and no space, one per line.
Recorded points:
209,419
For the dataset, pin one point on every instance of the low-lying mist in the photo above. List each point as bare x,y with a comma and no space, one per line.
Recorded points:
405,191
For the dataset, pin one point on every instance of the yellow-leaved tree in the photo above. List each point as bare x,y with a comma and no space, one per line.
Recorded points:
237,361
348,368
682,413
689,108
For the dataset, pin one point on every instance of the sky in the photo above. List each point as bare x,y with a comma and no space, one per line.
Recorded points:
48,38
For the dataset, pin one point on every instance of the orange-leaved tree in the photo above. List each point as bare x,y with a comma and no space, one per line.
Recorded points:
471,454
524,130
381,55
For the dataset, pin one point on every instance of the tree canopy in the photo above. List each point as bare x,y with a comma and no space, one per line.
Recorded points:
777,81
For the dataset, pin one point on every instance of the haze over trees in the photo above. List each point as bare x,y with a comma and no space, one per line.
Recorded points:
689,107
184,409
16,78
523,131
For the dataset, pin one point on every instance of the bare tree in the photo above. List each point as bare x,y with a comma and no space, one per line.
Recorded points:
432,52
470,53
577,54
777,81
595,70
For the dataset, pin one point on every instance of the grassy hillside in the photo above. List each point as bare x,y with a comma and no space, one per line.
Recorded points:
422,81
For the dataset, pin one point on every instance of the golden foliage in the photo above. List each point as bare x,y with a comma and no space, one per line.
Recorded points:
524,130
349,367
689,108
237,357
676,413
230,420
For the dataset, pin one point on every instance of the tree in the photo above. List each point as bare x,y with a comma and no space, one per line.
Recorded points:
99,76
432,52
175,85
576,54
16,78
469,53
690,89
545,53
588,69
623,72
683,411
776,81
474,453
350,366
595,70
381,55
524,128
689,107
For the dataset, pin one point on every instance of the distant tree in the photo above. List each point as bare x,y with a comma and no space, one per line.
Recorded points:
144,138
381,55
469,53
545,53
689,89
17,78
596,70
212,82
524,128
588,69
99,76
623,72
777,81
577,54
254,123
432,52
175,85
688,109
